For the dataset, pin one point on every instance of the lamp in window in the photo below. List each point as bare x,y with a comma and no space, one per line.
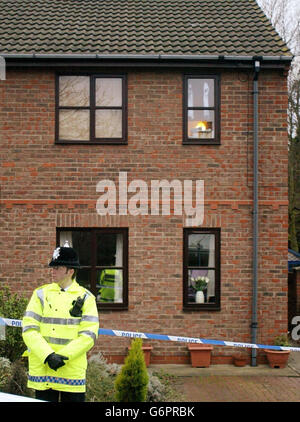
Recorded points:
203,129
202,126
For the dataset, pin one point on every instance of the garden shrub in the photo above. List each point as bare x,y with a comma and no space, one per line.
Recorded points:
132,382
5,372
163,387
100,378
12,306
156,389
16,382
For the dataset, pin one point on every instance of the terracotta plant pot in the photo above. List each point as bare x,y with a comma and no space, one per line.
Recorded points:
147,353
277,358
200,355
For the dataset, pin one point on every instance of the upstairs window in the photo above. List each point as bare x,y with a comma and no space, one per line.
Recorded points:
91,109
201,110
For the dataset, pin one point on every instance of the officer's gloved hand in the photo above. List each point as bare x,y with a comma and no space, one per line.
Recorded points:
55,361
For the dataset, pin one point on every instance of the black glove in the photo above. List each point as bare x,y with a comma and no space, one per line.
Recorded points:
55,361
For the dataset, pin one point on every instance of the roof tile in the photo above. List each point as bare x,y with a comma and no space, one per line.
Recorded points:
233,27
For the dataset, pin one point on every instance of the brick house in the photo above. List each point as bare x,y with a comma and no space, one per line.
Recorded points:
131,94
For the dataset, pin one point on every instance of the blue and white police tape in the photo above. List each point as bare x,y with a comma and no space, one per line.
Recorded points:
11,322
163,337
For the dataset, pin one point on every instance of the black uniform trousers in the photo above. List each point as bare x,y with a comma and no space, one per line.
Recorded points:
59,396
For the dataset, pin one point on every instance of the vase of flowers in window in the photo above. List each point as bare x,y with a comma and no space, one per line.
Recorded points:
200,284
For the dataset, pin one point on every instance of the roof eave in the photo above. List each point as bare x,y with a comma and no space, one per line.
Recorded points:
145,61
145,56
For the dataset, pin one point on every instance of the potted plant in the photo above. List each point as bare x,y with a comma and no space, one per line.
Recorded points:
200,355
240,358
278,358
200,284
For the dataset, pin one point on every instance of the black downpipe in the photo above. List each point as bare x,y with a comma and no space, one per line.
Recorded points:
254,323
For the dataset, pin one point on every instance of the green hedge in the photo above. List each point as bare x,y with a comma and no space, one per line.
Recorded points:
12,306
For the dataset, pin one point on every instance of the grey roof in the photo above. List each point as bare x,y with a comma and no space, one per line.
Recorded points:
180,27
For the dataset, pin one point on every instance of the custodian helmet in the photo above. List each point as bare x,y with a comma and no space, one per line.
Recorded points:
65,256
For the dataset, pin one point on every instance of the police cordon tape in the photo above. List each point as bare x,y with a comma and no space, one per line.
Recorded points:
163,337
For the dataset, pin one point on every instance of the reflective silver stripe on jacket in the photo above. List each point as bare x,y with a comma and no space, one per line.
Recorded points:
33,315
48,320
55,340
30,327
88,292
90,318
40,295
61,321
88,333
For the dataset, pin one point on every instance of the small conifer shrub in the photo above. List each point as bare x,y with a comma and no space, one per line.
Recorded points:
131,384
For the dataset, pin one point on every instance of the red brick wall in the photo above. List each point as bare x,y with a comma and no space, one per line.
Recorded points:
45,186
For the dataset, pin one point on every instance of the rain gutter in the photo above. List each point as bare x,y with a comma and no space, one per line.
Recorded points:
141,56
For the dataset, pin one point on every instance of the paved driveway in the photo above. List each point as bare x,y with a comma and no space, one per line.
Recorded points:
215,388
227,383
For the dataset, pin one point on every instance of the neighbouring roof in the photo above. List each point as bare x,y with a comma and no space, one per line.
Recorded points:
181,27
293,259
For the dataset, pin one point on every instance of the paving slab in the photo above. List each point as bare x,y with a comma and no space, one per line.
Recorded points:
291,370
225,370
228,383
217,388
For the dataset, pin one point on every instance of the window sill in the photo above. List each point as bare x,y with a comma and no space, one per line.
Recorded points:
113,142
204,307
101,308
201,142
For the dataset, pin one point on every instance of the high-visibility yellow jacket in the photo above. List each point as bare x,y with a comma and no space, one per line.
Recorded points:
107,281
48,327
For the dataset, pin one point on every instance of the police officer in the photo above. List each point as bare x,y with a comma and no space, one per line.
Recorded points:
60,326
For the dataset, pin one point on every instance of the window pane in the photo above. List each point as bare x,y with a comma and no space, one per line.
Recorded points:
109,92
109,250
201,93
74,91
201,250
81,241
108,124
109,286
201,124
206,287
74,125
83,277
